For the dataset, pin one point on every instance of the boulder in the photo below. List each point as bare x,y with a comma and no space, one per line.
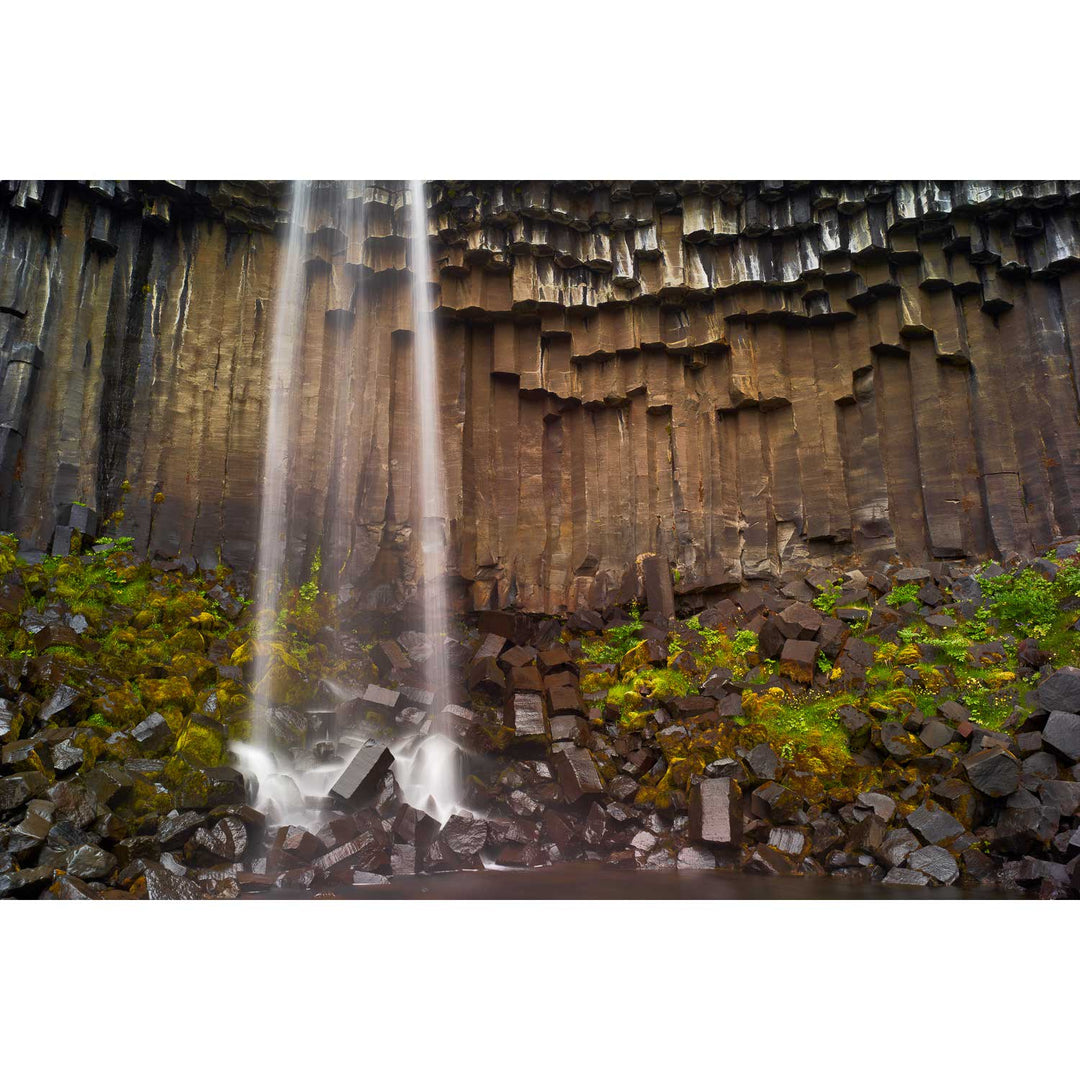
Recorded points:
162,885
486,677
578,775
900,876
1060,692
775,803
897,846
695,857
464,834
566,699
525,714
799,621
1062,729
933,824
379,700
89,862
363,774
994,772
936,863
152,734
798,660
763,762
19,789
878,803
716,812
935,734
66,702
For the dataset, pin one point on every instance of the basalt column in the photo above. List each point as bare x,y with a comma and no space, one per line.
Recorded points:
741,377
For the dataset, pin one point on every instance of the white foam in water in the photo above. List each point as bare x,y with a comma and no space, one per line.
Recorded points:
427,768
283,791
428,771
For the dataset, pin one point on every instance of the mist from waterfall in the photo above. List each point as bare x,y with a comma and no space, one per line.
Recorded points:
285,339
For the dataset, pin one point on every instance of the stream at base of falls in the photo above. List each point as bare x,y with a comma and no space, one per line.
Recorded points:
595,881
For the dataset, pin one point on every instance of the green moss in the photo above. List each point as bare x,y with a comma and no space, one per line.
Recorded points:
158,694
120,707
202,740
800,724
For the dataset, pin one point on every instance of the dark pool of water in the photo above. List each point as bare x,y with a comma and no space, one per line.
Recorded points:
591,881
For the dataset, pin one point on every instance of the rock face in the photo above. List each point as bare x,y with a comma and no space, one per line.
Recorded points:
737,377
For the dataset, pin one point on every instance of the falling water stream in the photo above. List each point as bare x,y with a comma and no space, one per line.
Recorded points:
427,766
433,769
286,336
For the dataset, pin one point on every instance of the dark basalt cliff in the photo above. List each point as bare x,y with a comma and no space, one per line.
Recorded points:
743,377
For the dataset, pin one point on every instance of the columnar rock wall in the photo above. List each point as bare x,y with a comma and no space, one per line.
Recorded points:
744,377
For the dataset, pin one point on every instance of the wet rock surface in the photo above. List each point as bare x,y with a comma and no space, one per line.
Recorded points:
643,738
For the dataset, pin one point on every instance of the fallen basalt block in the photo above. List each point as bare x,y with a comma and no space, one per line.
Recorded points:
525,714
798,660
716,812
362,775
578,775
1062,732
994,772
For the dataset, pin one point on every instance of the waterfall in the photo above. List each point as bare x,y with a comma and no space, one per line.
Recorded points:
432,771
286,336
428,767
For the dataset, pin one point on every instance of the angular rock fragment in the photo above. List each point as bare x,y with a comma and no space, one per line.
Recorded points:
934,825
363,774
994,772
19,789
798,660
716,812
695,857
900,876
763,762
1060,692
1062,730
161,885
577,771
897,846
776,803
152,734
464,834
935,862
89,862
525,714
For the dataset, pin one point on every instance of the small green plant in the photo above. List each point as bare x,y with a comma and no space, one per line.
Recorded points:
309,591
1026,601
745,641
615,642
826,600
905,593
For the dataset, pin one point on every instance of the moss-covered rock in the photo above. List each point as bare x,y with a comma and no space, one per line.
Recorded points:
119,707
159,694
187,640
202,740
198,671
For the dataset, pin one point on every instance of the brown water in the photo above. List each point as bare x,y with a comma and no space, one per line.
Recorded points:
590,881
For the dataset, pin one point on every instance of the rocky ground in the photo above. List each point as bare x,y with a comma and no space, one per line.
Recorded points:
910,726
